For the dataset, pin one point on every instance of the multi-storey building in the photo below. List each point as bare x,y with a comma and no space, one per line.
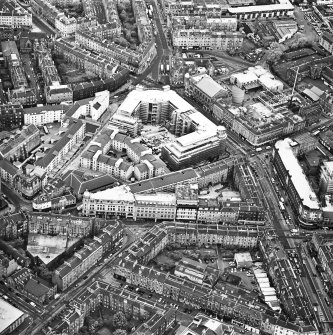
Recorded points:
42,115
22,143
73,268
65,25
46,10
13,61
32,287
326,41
11,116
23,96
7,265
326,177
57,94
14,16
323,245
206,144
204,89
92,108
134,60
301,196
206,39
183,204
94,64
326,102
45,63
69,139
274,121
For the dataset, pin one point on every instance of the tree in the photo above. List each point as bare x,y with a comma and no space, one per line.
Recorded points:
119,320
275,53
120,332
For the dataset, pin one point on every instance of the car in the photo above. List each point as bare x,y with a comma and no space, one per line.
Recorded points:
150,295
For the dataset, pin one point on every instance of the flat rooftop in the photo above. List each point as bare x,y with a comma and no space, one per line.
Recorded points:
46,247
8,315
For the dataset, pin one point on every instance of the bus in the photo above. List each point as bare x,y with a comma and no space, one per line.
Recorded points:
46,131
282,206
315,133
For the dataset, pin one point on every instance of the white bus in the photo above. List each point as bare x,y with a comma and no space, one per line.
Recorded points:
282,206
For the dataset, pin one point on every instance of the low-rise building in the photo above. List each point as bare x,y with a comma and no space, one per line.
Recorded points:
243,260
32,287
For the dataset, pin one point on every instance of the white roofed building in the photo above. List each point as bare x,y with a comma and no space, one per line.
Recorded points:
300,193
195,147
122,201
255,77
284,8
200,138
10,317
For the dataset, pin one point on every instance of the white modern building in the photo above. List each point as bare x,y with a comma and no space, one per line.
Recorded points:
92,108
255,77
41,115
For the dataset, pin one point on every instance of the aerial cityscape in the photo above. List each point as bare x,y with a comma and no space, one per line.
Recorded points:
166,167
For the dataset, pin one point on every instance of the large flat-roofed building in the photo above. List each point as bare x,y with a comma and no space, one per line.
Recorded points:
284,8
10,316
200,138
152,106
300,193
194,147
262,122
